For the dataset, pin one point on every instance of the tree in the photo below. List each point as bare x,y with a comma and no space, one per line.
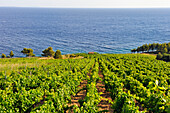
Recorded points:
150,46
72,56
168,47
153,47
3,55
11,54
58,55
159,47
159,56
165,50
138,49
146,47
133,50
142,48
28,52
48,52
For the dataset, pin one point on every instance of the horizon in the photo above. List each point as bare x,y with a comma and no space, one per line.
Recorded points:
86,3
88,7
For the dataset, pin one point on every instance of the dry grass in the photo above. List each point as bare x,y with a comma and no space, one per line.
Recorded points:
68,57
63,57
10,67
46,58
148,54
11,64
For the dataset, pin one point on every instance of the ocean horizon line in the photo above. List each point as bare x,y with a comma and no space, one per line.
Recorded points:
86,7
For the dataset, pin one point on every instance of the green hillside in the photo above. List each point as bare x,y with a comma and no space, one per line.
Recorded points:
119,83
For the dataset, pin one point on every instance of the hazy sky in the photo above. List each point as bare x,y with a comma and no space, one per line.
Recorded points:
87,3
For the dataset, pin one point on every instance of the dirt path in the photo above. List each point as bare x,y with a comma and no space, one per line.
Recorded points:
104,104
80,95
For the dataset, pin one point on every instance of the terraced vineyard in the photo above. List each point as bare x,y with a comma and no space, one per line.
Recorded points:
97,83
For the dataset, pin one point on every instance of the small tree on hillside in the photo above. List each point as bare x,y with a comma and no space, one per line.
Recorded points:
58,55
48,52
146,47
168,47
11,54
150,47
153,46
133,50
138,49
165,50
28,52
3,55
159,56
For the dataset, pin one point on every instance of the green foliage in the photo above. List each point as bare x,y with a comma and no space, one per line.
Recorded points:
134,80
58,55
28,52
93,98
47,88
3,55
137,84
67,55
155,47
124,103
133,50
165,57
146,47
48,52
72,56
11,54
96,53
81,54
165,50
159,56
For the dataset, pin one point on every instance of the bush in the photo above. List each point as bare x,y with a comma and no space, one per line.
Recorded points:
11,54
165,50
72,56
166,57
159,56
28,52
67,56
58,55
3,55
48,52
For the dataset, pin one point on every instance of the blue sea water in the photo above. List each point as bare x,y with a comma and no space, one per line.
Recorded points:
81,30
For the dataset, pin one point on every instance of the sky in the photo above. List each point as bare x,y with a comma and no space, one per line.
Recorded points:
87,3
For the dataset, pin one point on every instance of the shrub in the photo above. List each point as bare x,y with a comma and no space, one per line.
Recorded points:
166,57
67,56
72,56
159,56
48,52
11,54
58,55
28,52
3,55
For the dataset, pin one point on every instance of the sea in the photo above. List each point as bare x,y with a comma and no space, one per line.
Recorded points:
78,30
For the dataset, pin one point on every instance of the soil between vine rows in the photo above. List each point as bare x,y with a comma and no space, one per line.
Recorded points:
104,105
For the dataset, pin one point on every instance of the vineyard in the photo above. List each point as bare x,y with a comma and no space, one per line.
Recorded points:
119,83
